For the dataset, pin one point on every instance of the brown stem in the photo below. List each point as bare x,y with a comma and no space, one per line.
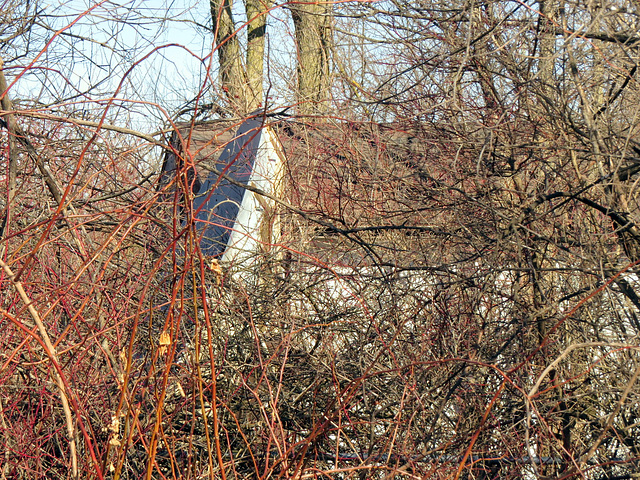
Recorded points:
10,121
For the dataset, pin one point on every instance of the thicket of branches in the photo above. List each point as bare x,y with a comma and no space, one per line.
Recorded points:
453,294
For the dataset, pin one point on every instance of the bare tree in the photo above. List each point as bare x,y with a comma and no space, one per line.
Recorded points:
242,63
454,292
536,98
314,43
241,75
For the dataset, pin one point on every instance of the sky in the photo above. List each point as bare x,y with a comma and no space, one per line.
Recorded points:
156,54
156,57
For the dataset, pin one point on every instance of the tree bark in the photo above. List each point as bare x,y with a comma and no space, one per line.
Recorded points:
241,81
312,22
256,29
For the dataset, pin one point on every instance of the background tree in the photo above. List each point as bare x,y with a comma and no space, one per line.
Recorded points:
456,295
530,94
242,63
241,80
314,43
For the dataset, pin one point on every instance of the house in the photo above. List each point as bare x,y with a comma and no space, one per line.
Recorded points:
338,189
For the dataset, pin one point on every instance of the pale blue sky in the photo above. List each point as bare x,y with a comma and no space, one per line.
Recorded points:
159,50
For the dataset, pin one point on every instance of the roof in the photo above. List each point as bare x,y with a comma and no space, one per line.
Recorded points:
350,175
329,165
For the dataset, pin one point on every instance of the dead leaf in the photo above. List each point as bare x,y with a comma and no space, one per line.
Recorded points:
216,268
165,341
115,424
181,390
123,358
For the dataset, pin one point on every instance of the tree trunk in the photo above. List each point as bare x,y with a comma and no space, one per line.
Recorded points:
313,34
256,29
241,82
